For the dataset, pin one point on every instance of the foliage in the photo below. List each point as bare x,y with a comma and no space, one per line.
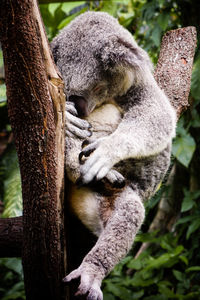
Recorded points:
170,267
11,184
12,285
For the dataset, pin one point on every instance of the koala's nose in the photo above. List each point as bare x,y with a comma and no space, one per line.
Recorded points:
81,105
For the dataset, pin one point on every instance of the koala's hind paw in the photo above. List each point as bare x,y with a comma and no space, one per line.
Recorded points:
89,287
116,179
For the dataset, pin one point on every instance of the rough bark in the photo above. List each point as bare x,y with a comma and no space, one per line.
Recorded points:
173,74
11,232
36,111
174,67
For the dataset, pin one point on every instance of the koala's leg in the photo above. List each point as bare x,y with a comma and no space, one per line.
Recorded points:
113,244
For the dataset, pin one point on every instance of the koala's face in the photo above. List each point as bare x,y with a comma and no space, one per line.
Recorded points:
98,60
87,86
91,90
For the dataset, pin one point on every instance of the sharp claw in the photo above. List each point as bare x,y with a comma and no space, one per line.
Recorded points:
85,143
81,154
87,153
119,185
65,280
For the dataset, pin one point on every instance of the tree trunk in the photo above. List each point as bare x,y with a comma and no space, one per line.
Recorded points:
36,112
11,232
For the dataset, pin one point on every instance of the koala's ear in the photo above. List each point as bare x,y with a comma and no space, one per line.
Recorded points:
116,52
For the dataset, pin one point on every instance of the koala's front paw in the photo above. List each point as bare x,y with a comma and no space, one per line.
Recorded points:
75,126
116,179
89,284
100,160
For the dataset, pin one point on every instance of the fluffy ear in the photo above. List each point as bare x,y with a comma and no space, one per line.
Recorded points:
119,52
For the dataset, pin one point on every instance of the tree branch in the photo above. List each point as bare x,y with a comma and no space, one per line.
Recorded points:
173,74
174,68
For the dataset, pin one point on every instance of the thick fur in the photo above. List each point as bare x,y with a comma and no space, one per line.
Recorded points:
108,77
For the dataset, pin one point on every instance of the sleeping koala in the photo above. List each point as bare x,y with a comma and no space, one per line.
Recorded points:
119,129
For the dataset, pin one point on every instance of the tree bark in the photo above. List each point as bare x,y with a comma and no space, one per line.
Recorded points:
174,68
173,74
11,232
36,111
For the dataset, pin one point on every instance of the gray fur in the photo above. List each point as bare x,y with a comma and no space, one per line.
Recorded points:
132,125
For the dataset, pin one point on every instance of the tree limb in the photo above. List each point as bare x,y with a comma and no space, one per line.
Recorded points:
174,68
173,74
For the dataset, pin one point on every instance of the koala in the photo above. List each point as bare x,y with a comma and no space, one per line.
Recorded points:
119,130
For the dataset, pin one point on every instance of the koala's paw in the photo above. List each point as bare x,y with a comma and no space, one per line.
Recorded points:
75,126
89,287
116,179
99,160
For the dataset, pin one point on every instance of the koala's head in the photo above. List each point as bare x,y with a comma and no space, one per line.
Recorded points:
98,59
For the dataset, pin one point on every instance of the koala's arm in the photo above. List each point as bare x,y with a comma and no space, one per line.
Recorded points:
77,130
146,128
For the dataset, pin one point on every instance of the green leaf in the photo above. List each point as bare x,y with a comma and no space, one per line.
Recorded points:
119,291
14,264
125,19
52,7
67,7
184,259
135,264
195,118
195,82
138,280
156,35
186,219
189,200
187,203
163,20
107,296
183,148
165,260
46,15
166,291
67,20
109,7
3,93
191,269
156,297
178,275
12,197
1,58
193,227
